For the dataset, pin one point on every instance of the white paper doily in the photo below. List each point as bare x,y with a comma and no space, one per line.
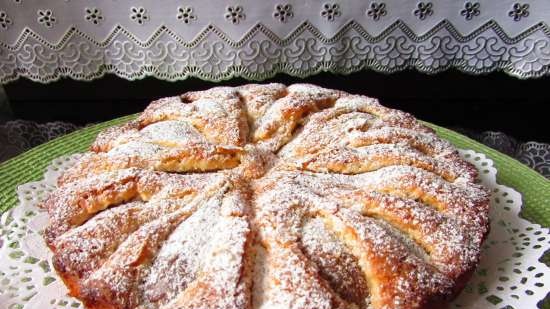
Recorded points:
509,276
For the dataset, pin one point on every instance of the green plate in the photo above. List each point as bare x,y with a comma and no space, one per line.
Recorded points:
30,166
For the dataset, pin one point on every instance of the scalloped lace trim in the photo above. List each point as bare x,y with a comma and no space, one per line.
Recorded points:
260,53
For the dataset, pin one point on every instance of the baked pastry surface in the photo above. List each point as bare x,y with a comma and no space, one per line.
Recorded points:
268,196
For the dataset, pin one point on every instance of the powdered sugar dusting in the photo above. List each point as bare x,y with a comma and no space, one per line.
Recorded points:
290,281
267,196
172,131
336,263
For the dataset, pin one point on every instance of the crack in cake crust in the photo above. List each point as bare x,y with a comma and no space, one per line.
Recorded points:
267,196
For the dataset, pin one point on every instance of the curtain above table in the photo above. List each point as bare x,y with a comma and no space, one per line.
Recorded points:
216,40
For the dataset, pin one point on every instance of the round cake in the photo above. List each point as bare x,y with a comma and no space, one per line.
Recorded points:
267,196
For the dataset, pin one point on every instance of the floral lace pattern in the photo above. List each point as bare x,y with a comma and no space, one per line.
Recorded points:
235,14
46,18
424,9
533,154
377,10
185,14
331,11
257,42
5,20
139,15
20,135
519,11
283,12
509,274
470,10
93,15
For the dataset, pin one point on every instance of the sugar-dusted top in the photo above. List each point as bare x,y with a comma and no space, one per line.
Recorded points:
268,196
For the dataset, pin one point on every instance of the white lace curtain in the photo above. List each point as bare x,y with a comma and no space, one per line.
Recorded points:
214,40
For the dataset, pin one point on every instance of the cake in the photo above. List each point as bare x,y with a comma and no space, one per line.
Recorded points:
267,196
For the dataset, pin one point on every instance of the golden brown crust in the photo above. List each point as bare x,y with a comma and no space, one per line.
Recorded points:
116,283
221,284
267,196
395,276
191,158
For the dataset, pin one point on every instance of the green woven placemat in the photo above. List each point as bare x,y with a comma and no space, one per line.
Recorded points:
31,165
